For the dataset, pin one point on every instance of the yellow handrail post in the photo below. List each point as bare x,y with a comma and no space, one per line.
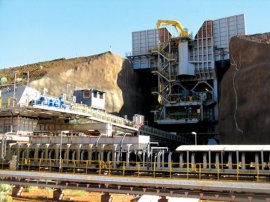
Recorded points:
14,102
62,165
50,164
237,172
170,169
123,168
139,168
8,102
22,163
187,170
200,171
86,166
99,169
218,171
258,170
109,168
154,169
39,164
74,166
29,164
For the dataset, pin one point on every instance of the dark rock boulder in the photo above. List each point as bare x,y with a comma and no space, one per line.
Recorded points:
245,92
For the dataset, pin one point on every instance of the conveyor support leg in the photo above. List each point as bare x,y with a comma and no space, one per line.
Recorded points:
163,199
17,191
106,197
58,194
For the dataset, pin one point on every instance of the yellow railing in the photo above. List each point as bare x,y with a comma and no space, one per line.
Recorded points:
216,171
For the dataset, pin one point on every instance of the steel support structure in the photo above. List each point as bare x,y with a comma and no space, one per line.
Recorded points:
202,189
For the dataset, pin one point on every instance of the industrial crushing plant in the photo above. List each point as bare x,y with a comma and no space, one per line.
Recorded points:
185,71
72,142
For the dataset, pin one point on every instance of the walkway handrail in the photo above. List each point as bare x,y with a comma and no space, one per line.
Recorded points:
153,168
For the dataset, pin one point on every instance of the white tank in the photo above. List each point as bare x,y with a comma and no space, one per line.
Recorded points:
184,67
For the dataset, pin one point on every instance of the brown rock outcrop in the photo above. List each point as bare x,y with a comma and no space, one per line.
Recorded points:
106,71
245,93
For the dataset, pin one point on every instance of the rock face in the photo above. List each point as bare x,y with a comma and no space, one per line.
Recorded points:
107,71
245,93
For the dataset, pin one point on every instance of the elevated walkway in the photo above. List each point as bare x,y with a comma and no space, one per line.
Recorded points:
101,116
83,111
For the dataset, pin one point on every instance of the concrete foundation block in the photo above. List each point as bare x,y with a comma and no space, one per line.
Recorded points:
163,199
17,191
58,194
106,197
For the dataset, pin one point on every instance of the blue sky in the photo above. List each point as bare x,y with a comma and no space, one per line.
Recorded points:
41,30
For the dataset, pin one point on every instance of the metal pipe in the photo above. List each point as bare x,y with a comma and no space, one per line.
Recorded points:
121,144
160,148
4,144
148,149
99,139
96,144
195,134
60,154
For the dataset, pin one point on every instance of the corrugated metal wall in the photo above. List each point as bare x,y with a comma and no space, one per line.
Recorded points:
211,43
143,41
201,54
223,30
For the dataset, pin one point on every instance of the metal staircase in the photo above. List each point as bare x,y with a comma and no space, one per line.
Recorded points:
166,77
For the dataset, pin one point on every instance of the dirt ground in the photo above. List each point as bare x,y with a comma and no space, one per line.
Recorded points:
38,195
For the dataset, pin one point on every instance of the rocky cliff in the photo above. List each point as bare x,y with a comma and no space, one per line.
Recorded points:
245,93
106,71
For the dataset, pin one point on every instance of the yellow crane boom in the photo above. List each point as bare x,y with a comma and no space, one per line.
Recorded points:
179,28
